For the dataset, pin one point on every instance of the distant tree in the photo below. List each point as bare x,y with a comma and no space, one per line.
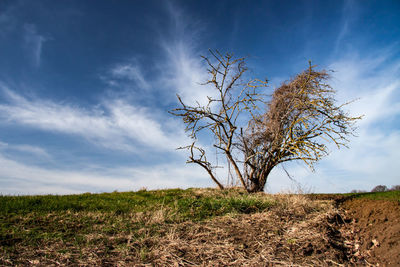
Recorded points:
380,188
299,120
358,191
395,188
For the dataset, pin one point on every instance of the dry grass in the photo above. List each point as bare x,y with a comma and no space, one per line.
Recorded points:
296,232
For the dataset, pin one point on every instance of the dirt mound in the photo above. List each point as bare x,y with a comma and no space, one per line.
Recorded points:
374,230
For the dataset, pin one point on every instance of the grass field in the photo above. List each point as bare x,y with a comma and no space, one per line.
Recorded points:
150,227
179,204
390,195
69,223
387,196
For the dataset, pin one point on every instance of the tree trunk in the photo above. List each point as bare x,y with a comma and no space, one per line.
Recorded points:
259,184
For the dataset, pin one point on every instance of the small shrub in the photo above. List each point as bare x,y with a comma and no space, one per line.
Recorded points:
395,188
355,191
380,188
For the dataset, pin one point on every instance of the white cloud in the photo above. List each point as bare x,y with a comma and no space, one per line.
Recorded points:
27,149
374,81
116,124
187,74
374,153
34,42
131,72
184,70
19,178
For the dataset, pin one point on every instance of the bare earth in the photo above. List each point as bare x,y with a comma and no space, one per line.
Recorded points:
375,230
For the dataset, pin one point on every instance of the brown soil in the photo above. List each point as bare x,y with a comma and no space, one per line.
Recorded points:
374,230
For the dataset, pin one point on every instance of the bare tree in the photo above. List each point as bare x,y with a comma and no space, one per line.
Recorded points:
220,115
300,118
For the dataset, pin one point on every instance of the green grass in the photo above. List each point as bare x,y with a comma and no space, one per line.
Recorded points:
106,220
185,203
389,195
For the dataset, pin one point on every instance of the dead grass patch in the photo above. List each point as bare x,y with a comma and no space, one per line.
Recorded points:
295,232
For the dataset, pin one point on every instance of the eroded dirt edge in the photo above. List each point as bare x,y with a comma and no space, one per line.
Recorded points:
372,231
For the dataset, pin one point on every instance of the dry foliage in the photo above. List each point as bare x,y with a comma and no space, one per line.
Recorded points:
301,118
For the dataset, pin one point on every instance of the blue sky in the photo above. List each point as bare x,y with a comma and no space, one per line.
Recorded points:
85,87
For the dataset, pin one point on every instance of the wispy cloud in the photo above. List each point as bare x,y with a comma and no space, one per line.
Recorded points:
348,16
179,70
184,71
373,80
14,178
114,124
34,42
130,72
187,74
26,149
